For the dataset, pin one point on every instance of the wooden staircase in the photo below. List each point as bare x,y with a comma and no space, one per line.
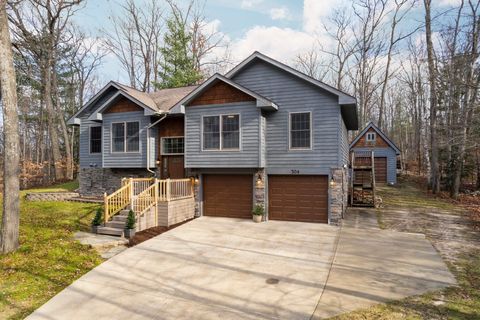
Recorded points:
362,179
140,195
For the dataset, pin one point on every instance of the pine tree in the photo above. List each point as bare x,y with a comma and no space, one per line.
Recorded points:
177,68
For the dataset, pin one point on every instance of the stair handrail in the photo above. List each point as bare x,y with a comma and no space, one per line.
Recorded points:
117,201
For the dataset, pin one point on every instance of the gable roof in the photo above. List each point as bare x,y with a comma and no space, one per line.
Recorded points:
379,132
160,101
262,102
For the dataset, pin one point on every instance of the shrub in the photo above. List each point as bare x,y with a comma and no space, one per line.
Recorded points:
258,210
130,220
97,219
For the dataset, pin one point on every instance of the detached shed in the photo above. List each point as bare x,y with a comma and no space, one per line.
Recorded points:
371,138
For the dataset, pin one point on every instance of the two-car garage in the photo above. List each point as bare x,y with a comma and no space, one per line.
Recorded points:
290,197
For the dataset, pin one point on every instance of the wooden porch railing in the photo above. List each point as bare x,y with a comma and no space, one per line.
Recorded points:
143,193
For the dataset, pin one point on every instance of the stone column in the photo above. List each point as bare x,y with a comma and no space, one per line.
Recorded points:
197,195
338,195
259,189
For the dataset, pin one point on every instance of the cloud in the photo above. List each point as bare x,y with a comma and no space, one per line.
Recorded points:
452,3
249,4
281,13
283,44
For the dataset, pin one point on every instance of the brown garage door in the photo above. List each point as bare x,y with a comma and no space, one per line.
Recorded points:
228,195
298,198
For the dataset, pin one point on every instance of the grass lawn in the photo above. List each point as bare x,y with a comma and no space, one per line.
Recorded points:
462,302
48,259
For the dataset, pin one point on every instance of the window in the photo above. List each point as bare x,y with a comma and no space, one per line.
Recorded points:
371,136
221,132
96,139
300,130
231,131
172,145
125,137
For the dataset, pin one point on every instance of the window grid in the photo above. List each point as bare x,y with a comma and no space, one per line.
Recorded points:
300,130
125,136
173,145
221,132
96,139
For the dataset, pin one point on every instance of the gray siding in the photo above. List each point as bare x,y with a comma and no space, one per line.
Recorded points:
344,145
247,157
293,95
263,143
391,156
88,159
154,141
125,159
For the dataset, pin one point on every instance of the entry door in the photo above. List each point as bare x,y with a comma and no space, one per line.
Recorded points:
173,167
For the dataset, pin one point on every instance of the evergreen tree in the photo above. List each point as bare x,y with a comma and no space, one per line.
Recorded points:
177,68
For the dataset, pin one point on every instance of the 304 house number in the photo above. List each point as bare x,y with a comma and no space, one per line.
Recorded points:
294,171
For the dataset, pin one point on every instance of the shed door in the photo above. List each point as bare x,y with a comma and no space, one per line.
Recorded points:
298,198
228,195
380,170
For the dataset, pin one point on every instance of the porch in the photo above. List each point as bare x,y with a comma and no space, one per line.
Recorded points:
155,202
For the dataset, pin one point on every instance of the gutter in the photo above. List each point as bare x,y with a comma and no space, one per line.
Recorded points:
164,115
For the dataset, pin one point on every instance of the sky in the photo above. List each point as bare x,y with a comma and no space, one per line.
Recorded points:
278,28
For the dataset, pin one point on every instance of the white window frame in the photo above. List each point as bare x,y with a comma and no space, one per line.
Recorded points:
220,132
125,137
90,139
171,154
373,134
290,148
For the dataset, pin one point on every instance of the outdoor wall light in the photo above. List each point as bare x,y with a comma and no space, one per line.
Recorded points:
196,180
259,181
332,182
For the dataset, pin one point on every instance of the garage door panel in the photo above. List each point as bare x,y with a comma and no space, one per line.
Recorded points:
228,195
298,198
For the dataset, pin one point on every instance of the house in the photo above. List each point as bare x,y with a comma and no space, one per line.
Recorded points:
372,139
264,134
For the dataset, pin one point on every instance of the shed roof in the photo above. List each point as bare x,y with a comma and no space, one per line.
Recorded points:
379,132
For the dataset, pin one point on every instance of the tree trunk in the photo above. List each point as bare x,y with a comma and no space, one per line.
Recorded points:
434,168
61,119
52,124
11,207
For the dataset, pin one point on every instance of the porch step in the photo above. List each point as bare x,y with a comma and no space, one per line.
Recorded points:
119,218
124,212
110,231
116,224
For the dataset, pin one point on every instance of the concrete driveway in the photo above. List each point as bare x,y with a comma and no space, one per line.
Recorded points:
220,268
209,268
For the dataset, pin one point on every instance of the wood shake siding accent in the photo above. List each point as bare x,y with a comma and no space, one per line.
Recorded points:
221,93
378,143
246,157
123,105
292,94
125,159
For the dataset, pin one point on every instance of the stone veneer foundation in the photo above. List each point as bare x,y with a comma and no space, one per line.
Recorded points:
97,181
338,195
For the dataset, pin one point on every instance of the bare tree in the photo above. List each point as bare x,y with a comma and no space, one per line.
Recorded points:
135,40
434,168
311,63
11,208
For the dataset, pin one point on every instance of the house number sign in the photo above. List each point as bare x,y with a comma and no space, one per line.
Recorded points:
294,171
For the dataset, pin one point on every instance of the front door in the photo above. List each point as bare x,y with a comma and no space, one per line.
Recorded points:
172,167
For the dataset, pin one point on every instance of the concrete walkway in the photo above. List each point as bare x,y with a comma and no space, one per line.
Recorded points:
219,268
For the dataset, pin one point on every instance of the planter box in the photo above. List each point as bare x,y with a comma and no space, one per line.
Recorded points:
257,218
129,233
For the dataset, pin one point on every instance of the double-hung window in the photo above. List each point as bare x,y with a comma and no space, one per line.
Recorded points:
126,137
300,130
96,139
221,132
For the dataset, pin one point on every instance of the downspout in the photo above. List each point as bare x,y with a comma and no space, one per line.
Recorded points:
164,115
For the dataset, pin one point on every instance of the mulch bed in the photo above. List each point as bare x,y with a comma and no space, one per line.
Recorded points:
152,232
